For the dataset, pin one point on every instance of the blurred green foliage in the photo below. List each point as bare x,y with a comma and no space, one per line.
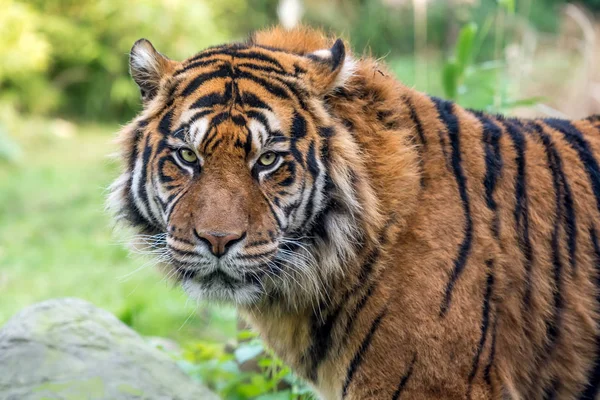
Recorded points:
69,57
243,371
475,85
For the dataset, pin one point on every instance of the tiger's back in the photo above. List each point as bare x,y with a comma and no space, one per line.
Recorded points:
491,290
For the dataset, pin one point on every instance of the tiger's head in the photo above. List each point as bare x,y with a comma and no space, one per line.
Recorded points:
238,174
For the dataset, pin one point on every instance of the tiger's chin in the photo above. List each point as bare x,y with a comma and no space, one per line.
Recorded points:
219,288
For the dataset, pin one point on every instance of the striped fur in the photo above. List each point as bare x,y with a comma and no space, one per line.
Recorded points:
402,248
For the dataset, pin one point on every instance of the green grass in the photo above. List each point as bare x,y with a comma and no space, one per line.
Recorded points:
56,239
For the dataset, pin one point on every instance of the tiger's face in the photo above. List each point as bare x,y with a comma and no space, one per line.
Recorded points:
228,169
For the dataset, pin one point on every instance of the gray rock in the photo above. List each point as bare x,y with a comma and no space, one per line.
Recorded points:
69,349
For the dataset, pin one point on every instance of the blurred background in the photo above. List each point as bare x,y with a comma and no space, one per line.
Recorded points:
65,91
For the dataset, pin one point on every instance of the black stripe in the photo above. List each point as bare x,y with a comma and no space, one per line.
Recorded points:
180,239
135,218
319,227
278,91
485,322
216,50
257,243
593,118
568,206
404,379
257,255
551,393
219,118
277,87
552,328
575,138
137,137
420,133
446,115
321,341
255,55
443,145
197,64
259,116
360,353
311,161
143,191
521,213
275,217
184,253
415,119
251,100
211,135
209,100
238,119
313,168
221,72
593,387
298,131
290,179
351,319
163,164
487,372
290,209
199,115
561,183
248,142
164,126
174,199
553,325
269,70
493,166
322,331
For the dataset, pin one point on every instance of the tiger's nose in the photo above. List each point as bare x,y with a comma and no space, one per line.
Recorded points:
219,242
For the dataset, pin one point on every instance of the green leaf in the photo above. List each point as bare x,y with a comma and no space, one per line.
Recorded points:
508,5
246,335
464,46
482,34
266,363
283,395
526,102
450,80
247,352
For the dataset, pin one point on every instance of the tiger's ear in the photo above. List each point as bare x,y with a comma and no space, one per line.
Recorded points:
329,69
147,67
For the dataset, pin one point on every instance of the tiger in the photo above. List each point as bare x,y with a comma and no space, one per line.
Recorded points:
384,243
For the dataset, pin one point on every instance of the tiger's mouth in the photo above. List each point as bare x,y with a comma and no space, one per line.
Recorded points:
220,286
219,278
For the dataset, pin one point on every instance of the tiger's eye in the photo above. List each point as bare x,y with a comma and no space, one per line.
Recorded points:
188,155
267,159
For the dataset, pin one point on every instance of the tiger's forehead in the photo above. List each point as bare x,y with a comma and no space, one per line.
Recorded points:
245,95
245,55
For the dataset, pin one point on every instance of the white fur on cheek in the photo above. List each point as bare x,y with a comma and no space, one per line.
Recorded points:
116,197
